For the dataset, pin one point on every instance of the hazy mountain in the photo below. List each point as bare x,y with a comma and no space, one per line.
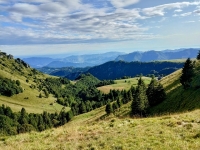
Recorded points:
37,62
159,55
72,61
85,60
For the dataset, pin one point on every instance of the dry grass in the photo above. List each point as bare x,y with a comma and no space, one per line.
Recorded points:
88,131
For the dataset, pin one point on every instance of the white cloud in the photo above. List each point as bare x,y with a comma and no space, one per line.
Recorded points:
185,14
123,3
65,21
178,10
161,9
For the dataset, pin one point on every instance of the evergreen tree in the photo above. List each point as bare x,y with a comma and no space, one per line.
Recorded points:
114,106
132,90
23,119
40,95
155,92
69,115
119,102
130,96
187,74
47,120
41,125
108,109
140,102
198,56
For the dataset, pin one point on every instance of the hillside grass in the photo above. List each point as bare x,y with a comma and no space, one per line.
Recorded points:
95,130
179,99
29,99
123,84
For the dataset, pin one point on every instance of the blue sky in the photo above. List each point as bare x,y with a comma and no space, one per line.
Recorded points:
39,27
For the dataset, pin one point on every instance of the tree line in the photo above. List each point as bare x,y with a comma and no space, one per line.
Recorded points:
13,123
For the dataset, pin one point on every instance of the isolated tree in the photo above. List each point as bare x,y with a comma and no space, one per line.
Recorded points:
187,74
18,83
140,102
109,109
40,95
198,56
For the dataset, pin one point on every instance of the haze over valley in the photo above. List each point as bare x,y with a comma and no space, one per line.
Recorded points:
99,74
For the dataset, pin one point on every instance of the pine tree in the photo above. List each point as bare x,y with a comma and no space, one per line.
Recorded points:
23,119
40,95
140,102
108,109
41,125
69,115
130,96
198,56
155,92
115,106
187,74
119,102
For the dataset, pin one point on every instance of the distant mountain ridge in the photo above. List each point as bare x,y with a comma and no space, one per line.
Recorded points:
38,62
152,55
117,69
90,60
72,61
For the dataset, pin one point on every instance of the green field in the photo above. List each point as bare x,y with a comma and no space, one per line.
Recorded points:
123,84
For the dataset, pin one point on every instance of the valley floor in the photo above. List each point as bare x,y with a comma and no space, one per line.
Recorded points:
95,131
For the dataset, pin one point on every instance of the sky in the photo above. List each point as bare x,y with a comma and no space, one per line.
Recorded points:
44,27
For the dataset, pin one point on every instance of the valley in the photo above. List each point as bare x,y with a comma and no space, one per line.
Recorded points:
79,117
99,75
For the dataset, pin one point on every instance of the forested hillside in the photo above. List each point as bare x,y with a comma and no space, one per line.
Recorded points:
33,101
118,69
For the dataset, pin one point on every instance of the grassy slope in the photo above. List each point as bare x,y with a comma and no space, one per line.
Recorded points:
178,99
33,103
95,131
88,131
123,84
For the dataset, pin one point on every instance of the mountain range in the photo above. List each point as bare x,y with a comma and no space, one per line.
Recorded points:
72,61
159,55
91,60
